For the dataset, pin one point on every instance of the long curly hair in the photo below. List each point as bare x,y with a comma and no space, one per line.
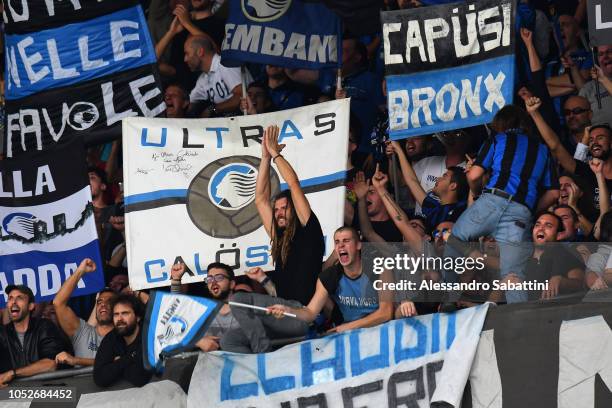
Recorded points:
282,237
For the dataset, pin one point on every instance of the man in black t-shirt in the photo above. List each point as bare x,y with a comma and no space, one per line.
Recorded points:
295,231
297,251
558,263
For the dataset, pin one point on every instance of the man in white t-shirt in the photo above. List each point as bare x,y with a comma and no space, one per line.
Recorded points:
218,87
429,169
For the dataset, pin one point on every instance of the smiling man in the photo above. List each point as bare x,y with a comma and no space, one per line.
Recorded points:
31,344
554,262
600,140
85,338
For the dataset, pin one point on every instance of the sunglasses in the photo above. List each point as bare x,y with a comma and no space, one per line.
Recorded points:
440,233
575,111
215,278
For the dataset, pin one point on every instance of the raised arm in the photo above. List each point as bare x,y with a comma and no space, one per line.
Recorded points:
409,175
598,75
262,189
604,194
399,217
300,202
360,187
550,137
175,28
184,18
66,318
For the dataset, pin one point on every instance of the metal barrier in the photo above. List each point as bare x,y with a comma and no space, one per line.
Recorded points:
56,375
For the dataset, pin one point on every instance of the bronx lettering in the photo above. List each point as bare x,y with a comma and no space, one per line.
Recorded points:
417,107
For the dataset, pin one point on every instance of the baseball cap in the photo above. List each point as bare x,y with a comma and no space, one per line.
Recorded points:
23,289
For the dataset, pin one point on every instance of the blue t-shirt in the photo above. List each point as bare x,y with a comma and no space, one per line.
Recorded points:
436,212
287,96
356,298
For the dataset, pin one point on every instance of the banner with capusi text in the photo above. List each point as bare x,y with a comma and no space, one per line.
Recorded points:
190,187
286,33
407,362
448,66
600,22
47,222
83,70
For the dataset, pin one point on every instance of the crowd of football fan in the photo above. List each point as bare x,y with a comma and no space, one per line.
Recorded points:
540,173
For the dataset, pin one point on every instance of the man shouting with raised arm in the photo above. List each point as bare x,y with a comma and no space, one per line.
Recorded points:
85,338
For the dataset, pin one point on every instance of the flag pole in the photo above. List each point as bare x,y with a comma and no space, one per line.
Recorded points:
263,309
597,95
244,86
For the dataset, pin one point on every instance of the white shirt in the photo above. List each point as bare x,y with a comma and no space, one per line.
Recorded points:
217,84
427,170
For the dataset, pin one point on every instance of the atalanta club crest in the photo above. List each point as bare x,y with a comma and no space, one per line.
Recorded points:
221,198
265,10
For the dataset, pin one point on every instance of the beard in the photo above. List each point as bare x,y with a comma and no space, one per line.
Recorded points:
23,313
126,330
223,295
104,322
604,155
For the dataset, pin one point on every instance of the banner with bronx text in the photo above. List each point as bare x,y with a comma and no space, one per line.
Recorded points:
76,69
448,66
190,187
47,222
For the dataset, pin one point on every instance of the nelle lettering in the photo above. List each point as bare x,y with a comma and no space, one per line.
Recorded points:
120,33
273,42
478,29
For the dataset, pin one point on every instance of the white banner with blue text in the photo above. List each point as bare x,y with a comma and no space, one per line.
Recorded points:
407,362
190,187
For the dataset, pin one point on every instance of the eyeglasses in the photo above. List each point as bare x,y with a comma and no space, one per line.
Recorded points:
440,233
215,278
575,111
